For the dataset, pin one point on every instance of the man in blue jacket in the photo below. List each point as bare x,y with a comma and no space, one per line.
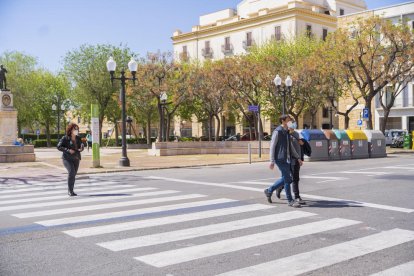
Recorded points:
281,153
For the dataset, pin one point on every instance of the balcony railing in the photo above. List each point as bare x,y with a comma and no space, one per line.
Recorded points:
248,43
227,49
207,52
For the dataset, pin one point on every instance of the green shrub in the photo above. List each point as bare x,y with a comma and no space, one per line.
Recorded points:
42,143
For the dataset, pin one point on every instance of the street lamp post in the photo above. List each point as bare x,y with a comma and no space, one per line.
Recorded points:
111,66
283,89
163,98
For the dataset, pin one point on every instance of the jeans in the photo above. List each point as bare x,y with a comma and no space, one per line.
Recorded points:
295,183
72,168
285,179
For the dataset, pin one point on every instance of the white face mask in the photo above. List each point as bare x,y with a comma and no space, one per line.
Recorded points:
76,132
290,124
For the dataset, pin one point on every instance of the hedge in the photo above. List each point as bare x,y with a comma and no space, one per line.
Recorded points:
42,143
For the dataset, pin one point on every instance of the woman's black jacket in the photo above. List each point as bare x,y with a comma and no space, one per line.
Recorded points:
65,145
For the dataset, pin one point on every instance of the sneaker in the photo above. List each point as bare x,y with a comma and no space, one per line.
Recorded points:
294,204
300,201
278,191
268,195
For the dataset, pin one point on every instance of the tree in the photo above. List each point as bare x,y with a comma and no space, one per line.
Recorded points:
20,67
86,68
376,53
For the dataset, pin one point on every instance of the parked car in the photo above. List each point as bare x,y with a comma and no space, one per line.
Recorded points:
392,134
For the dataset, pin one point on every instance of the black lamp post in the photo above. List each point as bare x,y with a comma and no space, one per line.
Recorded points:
133,66
163,98
58,108
283,89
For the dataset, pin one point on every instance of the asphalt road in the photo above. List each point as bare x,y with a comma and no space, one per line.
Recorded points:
358,220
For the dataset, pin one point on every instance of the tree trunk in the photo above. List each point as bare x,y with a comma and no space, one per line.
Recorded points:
48,135
385,120
148,130
217,127
346,121
167,132
223,125
368,103
116,135
210,126
313,116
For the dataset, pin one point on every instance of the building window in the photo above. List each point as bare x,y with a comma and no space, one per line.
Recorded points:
325,112
327,13
278,33
249,40
207,46
341,12
309,31
412,25
184,54
227,43
324,34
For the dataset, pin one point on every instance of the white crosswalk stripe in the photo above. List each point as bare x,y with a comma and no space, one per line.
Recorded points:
134,212
107,205
406,269
326,256
63,186
177,256
190,233
46,192
108,195
45,198
131,225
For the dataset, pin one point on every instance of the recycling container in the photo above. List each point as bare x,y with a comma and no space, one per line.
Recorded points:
359,144
407,141
333,145
344,144
376,143
318,142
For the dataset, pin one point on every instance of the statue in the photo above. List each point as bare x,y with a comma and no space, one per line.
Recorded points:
3,82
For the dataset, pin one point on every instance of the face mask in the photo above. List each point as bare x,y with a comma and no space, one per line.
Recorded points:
76,132
294,125
290,124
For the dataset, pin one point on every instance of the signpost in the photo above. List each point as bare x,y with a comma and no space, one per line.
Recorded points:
95,135
256,109
365,114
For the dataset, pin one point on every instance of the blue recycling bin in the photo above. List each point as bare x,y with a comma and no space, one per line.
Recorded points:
318,142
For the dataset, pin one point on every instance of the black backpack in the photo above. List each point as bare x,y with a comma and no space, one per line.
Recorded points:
306,148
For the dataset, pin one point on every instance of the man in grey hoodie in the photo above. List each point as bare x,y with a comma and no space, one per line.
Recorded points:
281,154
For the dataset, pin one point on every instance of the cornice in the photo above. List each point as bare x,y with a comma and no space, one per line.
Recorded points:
294,12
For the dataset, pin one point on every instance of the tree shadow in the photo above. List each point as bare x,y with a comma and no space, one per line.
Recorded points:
331,204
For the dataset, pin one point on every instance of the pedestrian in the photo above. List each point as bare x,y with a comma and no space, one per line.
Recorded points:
89,140
297,143
71,146
281,153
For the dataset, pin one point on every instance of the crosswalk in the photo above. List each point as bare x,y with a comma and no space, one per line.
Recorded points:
166,229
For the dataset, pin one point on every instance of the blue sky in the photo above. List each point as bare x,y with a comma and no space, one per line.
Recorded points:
47,29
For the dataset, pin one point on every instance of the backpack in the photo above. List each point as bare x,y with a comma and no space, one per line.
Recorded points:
306,148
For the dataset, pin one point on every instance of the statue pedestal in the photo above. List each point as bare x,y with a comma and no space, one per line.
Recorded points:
8,133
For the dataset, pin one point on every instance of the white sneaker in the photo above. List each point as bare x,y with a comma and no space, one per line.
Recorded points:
294,204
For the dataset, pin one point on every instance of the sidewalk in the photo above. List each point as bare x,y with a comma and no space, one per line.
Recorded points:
49,162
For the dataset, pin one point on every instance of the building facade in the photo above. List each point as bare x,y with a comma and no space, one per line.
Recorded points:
255,22
402,113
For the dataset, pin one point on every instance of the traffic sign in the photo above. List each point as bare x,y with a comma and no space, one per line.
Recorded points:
359,123
253,108
365,114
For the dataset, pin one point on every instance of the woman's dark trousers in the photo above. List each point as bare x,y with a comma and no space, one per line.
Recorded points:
72,168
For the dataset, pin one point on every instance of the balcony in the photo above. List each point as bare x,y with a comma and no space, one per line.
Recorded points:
184,57
207,53
248,43
227,49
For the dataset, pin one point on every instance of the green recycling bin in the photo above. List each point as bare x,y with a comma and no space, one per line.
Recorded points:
407,141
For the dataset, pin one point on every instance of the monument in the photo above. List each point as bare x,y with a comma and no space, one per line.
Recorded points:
8,127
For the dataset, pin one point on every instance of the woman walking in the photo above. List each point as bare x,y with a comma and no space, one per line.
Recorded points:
71,146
